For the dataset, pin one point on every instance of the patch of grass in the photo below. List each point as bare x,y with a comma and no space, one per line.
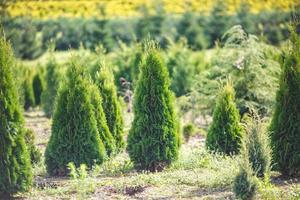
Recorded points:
39,169
116,166
196,174
195,167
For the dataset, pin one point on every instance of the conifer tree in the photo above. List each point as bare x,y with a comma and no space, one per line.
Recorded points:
111,105
29,100
285,125
52,79
225,132
15,167
219,20
38,86
245,183
75,136
256,145
104,132
153,139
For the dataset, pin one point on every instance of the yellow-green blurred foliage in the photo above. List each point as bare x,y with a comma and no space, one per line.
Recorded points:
128,8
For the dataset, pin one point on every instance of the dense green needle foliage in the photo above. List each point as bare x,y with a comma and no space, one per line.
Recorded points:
52,79
75,137
252,67
225,132
103,129
245,183
38,87
182,70
153,139
111,106
285,126
29,100
256,146
15,167
135,64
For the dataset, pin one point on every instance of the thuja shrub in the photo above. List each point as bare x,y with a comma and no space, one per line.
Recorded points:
75,137
28,93
225,133
111,106
188,131
52,79
15,167
285,125
153,139
256,145
245,184
104,132
34,152
38,86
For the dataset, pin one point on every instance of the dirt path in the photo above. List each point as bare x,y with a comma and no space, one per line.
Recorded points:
41,126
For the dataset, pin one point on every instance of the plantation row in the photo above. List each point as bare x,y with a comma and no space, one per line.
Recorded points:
30,36
87,126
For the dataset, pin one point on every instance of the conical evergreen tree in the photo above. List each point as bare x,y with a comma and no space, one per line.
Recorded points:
285,125
153,139
29,100
111,106
15,167
38,86
225,132
256,145
245,183
75,136
105,135
51,87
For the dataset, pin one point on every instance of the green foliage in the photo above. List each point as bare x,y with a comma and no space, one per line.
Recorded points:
52,79
128,60
19,73
111,106
151,25
29,100
257,147
31,36
82,183
285,126
245,183
135,65
218,22
225,133
15,167
182,70
103,129
189,27
23,34
75,136
35,154
38,87
252,68
188,131
153,139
